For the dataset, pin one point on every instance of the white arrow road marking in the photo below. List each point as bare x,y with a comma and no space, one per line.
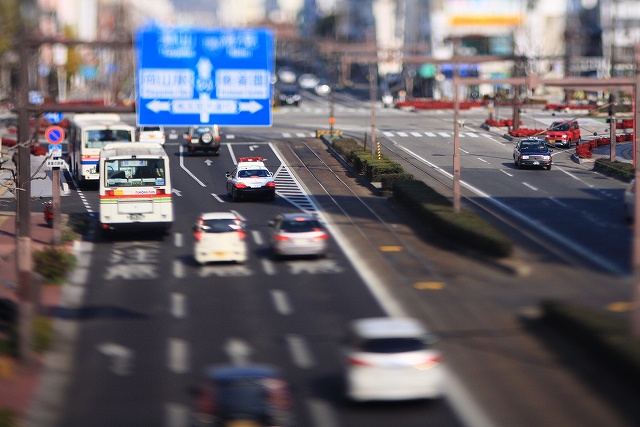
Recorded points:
218,198
238,351
120,356
178,356
322,413
176,414
176,192
208,162
281,302
178,305
299,350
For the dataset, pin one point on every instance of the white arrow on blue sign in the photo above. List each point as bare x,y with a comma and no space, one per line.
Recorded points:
54,118
189,77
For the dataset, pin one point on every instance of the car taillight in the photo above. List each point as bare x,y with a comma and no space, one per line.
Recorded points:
357,362
429,362
198,235
242,234
322,236
271,184
160,191
109,193
281,238
240,185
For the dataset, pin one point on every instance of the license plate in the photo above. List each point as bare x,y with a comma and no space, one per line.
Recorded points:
536,163
552,141
136,217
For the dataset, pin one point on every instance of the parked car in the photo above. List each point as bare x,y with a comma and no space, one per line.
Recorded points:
204,139
249,396
532,152
295,234
250,178
219,236
289,95
392,359
630,200
563,133
151,134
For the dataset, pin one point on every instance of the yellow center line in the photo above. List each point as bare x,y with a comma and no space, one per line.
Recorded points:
390,248
433,286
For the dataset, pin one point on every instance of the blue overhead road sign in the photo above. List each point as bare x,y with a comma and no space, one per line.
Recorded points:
189,77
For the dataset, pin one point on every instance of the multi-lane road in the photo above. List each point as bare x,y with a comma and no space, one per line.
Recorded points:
143,319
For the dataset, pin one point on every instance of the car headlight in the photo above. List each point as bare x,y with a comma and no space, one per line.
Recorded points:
524,157
546,157
564,136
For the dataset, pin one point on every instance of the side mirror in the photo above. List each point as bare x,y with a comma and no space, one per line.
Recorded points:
227,174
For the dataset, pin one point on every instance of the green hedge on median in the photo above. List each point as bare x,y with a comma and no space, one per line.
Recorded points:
464,228
438,214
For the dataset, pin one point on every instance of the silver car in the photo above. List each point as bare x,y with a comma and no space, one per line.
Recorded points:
295,234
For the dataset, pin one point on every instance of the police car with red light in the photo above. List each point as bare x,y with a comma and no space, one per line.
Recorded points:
250,178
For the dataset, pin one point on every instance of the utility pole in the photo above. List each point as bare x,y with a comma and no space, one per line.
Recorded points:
373,83
23,209
456,128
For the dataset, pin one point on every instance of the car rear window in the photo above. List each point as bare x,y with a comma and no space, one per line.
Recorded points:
294,226
151,129
253,172
393,345
219,225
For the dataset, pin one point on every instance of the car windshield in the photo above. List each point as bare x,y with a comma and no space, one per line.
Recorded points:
392,345
248,173
295,226
562,126
533,147
219,225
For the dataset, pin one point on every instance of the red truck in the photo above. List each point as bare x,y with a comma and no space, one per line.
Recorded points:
563,133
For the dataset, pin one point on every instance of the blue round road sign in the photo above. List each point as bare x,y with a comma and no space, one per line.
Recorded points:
54,134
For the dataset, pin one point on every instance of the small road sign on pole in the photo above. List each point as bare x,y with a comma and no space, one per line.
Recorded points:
54,134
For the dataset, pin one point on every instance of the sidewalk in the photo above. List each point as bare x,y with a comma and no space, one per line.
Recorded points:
19,381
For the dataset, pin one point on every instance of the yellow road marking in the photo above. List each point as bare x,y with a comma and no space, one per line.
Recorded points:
433,286
390,248
620,306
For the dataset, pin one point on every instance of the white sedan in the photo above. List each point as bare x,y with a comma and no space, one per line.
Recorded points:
219,236
392,359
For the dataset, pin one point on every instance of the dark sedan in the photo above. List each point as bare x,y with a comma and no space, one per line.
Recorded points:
532,152
289,96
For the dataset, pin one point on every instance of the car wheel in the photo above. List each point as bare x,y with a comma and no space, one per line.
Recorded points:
549,167
271,197
234,195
